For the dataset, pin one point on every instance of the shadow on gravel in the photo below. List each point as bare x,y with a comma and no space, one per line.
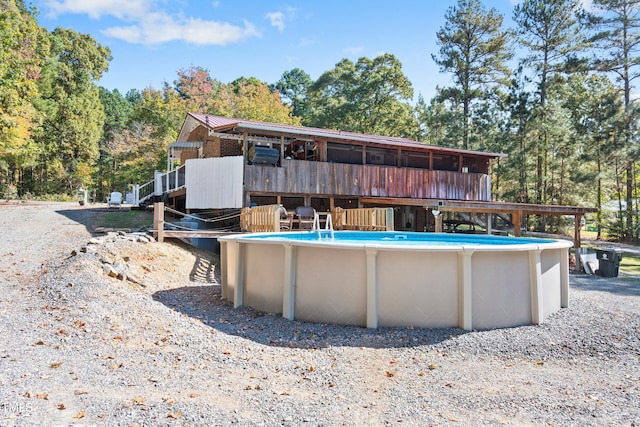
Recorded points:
629,286
205,304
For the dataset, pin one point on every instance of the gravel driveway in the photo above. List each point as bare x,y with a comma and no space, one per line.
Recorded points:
81,348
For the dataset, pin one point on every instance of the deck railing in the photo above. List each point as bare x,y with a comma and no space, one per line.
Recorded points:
340,179
267,218
162,183
368,219
259,219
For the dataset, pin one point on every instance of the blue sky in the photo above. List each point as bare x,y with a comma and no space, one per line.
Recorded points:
150,40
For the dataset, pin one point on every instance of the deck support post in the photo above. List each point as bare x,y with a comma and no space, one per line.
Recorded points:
372,289
437,215
577,225
158,221
465,291
535,282
516,219
289,293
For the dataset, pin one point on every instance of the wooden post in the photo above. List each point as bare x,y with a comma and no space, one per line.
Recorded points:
576,240
576,231
437,215
516,218
158,221
281,148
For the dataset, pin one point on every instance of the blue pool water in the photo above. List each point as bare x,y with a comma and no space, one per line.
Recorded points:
396,238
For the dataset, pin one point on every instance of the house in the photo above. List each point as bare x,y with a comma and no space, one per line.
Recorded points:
222,163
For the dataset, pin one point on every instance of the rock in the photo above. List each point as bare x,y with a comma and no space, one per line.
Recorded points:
109,270
135,279
107,258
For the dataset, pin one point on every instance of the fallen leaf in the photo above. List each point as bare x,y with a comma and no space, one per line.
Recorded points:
432,366
138,400
61,406
192,395
55,365
539,363
43,396
80,414
79,392
39,343
389,374
311,369
174,415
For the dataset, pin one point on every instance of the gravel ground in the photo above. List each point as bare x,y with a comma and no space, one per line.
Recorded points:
81,348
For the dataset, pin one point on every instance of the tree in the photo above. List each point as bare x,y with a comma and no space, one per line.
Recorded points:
618,39
517,136
474,48
597,112
440,121
201,92
24,47
293,87
551,32
251,99
117,113
70,104
370,96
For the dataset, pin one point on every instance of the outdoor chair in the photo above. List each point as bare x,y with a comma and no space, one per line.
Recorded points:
305,215
286,220
115,199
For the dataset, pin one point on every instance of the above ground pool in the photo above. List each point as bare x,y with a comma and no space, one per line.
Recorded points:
373,279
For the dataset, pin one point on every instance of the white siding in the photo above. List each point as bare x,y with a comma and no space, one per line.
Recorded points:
214,183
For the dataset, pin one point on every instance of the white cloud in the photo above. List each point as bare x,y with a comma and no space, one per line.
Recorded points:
122,9
150,25
277,20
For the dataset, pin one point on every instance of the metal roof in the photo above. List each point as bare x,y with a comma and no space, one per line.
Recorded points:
218,123
186,144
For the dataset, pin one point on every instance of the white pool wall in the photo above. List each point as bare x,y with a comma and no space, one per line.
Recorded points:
470,286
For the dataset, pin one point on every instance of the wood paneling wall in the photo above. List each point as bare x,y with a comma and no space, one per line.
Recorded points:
338,179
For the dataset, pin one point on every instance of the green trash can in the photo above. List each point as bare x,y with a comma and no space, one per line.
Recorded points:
609,261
